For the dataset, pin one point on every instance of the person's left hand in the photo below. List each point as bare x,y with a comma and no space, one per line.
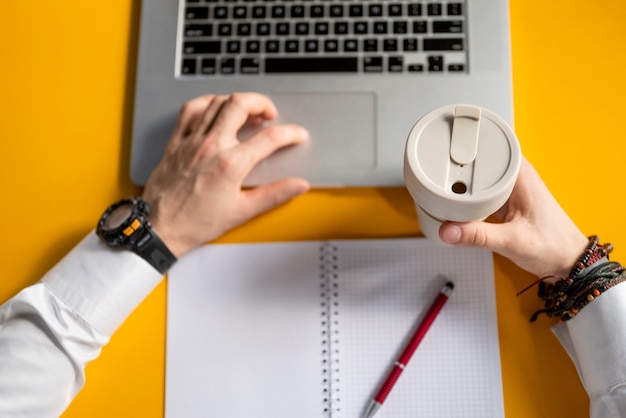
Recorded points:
195,193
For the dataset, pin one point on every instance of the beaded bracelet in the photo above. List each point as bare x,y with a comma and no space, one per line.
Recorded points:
585,282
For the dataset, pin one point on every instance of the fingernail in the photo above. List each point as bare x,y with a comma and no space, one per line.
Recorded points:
451,234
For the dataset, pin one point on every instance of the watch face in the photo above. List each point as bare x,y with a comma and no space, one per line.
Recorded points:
118,216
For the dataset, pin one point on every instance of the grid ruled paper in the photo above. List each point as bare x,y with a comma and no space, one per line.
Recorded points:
247,332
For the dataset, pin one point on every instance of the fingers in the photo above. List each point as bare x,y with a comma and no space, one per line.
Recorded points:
226,113
476,234
238,108
264,198
190,113
205,123
267,141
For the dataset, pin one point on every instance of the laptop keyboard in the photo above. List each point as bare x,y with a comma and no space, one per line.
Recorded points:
221,37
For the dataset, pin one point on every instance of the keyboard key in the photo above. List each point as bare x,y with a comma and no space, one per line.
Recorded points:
192,31
390,44
272,46
316,11
244,29
370,45
380,27
435,64
297,11
233,47
434,9
350,45
420,26
360,27
341,28
415,68
355,10
249,66
196,13
282,28
400,27
395,64
220,12
225,29
336,10
311,45
311,65
456,68
394,9
322,28
227,66
253,47
292,45
415,9
278,12
375,10
200,47
259,12
331,45
208,66
240,12
189,66
447,26
263,29
373,64
409,44
455,9
302,28
443,44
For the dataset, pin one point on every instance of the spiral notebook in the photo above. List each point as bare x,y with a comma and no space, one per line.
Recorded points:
309,329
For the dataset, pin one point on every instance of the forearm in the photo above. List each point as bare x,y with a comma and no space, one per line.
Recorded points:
51,330
595,339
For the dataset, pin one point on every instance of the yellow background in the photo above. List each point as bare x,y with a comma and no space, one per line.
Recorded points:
66,93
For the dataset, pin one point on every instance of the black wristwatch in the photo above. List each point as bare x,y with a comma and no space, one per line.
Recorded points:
125,224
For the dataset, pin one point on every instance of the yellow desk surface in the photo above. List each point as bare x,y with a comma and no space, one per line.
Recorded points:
66,93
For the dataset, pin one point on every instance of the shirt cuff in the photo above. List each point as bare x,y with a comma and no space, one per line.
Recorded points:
102,285
595,340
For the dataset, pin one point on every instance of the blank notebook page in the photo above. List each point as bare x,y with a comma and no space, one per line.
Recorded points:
243,333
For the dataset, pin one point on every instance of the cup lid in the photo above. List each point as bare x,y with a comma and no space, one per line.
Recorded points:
461,162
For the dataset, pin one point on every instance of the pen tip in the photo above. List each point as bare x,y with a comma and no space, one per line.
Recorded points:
373,408
450,285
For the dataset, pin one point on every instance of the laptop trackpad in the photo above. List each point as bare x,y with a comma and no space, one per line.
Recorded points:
342,128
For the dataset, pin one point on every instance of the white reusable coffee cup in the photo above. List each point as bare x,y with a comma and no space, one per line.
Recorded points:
460,164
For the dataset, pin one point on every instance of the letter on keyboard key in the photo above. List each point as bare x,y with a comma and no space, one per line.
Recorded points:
311,65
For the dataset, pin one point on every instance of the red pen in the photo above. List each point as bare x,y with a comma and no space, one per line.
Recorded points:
404,358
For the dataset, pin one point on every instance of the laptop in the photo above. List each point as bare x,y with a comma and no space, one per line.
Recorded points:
356,74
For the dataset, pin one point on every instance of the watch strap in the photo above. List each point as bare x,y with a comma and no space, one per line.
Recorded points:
147,244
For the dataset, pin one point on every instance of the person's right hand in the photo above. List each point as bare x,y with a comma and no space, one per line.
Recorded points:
195,193
534,232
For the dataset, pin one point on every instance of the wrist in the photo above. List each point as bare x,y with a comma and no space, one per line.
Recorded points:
591,275
570,256
169,237
125,224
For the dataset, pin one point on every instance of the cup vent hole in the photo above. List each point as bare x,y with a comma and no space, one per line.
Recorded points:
459,187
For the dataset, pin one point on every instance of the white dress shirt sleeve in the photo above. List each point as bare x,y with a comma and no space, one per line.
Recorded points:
51,330
595,339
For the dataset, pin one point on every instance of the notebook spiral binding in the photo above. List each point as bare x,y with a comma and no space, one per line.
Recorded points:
329,329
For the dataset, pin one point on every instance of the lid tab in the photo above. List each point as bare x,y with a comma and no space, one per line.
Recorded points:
465,134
